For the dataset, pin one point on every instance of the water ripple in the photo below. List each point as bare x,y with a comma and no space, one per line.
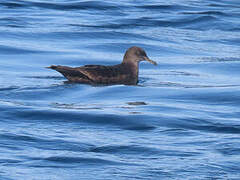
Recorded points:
93,5
183,112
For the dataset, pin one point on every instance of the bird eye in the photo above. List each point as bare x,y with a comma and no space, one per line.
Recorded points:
138,53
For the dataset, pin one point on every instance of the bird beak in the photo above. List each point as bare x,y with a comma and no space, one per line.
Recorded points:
149,60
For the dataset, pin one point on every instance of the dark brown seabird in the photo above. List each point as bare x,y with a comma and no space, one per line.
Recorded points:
124,73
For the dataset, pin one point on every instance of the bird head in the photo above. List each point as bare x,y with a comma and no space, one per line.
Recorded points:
136,54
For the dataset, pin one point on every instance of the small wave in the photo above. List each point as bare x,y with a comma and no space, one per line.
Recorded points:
45,143
138,22
163,7
15,4
140,127
11,103
207,126
182,73
94,5
184,22
221,128
125,150
219,59
16,50
125,122
182,85
228,149
77,107
81,160
9,88
232,41
14,22
18,137
235,29
142,150
9,161
137,103
44,77
224,5
93,34
218,13
4,178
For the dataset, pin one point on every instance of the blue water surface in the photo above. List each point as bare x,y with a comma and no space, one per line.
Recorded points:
182,121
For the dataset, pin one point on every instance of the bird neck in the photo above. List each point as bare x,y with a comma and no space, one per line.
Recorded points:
132,67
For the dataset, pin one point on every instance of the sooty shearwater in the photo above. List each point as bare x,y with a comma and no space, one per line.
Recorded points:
124,73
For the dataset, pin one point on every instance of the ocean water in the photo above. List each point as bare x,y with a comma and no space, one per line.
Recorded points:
182,121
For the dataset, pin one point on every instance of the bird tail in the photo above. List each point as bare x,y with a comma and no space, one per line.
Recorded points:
62,69
71,73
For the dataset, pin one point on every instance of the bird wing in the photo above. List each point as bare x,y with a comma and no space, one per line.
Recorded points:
98,72
70,72
92,73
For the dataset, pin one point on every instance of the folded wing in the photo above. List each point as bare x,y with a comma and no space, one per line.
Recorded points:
91,73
